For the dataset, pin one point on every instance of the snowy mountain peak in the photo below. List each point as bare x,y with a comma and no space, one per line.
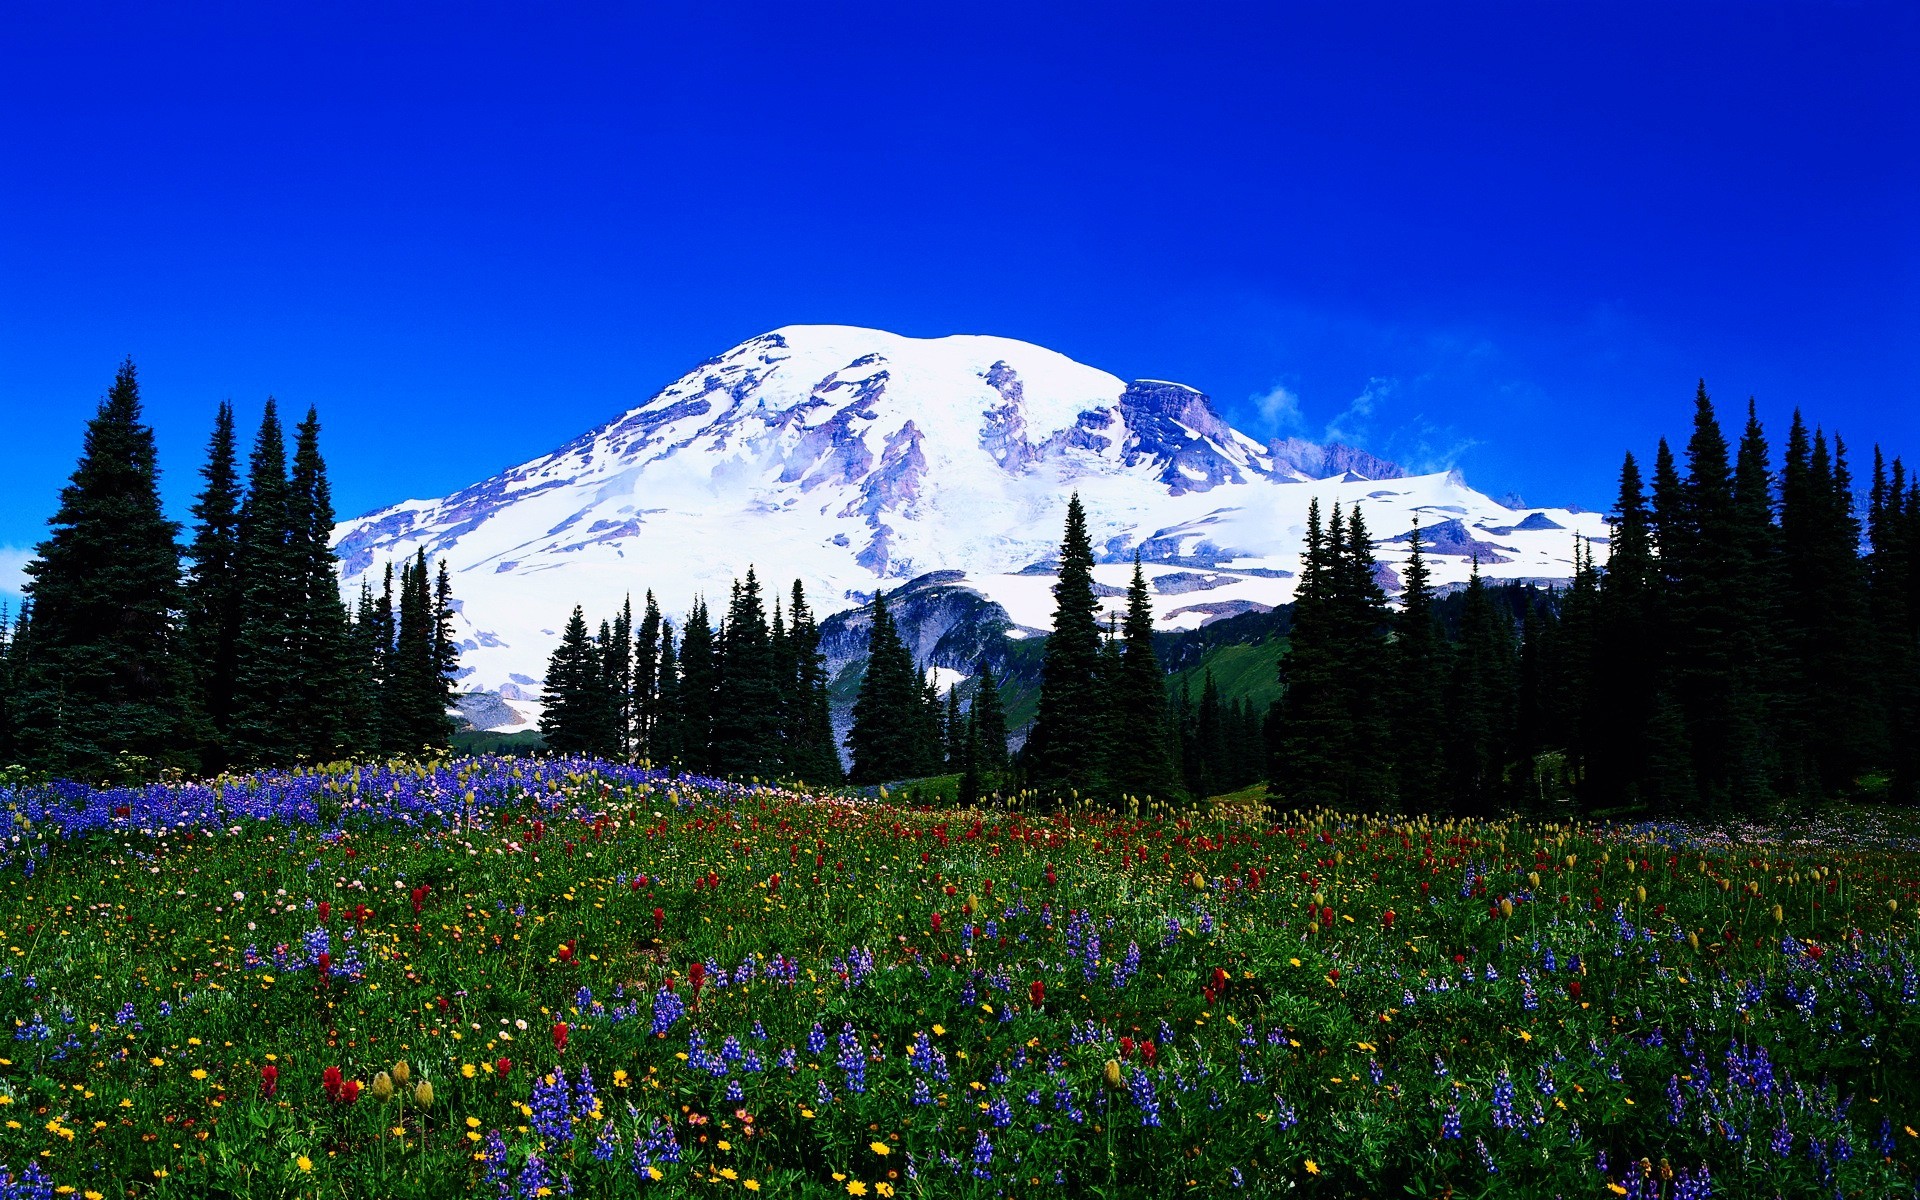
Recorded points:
855,458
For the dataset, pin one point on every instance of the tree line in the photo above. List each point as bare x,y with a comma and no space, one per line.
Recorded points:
748,698
1747,642
133,654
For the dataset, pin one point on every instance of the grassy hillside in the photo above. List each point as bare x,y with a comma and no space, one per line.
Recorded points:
1249,672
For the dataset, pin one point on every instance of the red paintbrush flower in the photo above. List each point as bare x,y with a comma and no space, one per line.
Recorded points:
1126,1047
1149,1051
326,911
659,918
269,1080
330,1082
1037,992
326,966
349,1091
560,1035
936,922
502,1066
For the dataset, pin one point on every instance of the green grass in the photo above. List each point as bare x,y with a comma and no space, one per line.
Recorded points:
1322,998
1241,672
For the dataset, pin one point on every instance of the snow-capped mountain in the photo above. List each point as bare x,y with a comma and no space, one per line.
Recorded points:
855,459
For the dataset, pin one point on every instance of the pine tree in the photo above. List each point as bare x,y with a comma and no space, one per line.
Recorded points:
416,686
1480,702
212,618
646,679
698,683
1893,581
1212,773
106,679
665,743
953,733
884,739
746,717
619,660
390,713
988,717
12,661
571,721
1627,663
812,754
324,697
265,727
1417,665
1143,763
1067,748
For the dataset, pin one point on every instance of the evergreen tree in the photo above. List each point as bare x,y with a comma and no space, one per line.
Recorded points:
12,662
106,679
1331,741
953,733
1480,703
619,683
1893,580
572,720
665,743
1627,664
416,685
1417,663
698,684
646,679
390,719
884,739
1144,759
1066,750
988,717
929,742
1212,776
812,754
212,618
265,727
746,715
324,698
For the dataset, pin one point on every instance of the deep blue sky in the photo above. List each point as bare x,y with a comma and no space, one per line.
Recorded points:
1502,237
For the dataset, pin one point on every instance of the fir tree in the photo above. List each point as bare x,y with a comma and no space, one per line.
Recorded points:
646,679
1480,703
105,679
811,751
698,684
1066,750
571,722
746,715
988,718
1627,664
664,741
324,698
212,619
265,727
1418,668
1144,756
884,739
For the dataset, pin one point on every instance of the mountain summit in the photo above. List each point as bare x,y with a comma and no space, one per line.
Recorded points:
857,459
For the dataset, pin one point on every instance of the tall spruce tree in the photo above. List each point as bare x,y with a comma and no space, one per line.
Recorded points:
885,738
575,702
1144,762
812,754
324,697
746,718
265,728
212,618
1418,669
105,684
665,744
646,678
1627,663
1480,703
988,716
699,681
1067,748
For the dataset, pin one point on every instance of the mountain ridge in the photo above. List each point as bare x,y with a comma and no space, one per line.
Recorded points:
857,459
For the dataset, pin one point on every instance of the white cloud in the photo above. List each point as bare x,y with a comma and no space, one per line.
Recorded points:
13,574
1280,408
1351,426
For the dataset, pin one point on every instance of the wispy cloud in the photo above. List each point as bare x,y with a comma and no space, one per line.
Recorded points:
1355,422
13,569
1280,409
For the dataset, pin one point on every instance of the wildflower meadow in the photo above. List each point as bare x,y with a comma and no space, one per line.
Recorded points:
550,977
